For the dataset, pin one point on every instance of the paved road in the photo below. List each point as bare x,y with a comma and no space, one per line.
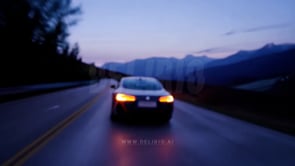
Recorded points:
72,127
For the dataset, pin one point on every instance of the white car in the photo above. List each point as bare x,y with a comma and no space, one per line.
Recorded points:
141,97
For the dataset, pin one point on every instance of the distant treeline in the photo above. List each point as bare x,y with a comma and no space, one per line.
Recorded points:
34,45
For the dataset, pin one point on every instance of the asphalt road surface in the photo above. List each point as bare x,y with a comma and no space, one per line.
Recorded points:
72,127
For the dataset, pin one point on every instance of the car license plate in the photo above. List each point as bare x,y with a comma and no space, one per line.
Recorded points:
148,104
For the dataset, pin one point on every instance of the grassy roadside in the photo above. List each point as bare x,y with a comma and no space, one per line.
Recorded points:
271,112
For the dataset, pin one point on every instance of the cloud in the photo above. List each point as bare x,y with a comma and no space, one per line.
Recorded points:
267,27
230,33
209,50
258,28
216,50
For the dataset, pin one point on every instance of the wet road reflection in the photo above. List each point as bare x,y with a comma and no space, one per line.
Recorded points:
141,143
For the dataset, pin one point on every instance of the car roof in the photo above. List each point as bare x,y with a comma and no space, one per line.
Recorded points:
140,78
141,83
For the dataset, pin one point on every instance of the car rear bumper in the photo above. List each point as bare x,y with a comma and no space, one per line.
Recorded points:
163,110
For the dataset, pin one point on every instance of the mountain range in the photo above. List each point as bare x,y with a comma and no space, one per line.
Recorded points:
160,67
269,61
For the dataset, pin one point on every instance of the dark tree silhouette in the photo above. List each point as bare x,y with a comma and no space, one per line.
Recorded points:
33,42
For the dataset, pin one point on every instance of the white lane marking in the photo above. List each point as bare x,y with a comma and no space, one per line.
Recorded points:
53,107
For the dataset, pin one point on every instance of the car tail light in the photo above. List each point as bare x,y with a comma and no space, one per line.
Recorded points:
166,99
123,97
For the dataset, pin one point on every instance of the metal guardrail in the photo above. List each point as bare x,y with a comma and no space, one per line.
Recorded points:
40,87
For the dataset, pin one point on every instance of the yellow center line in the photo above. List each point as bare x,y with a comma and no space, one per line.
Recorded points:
23,155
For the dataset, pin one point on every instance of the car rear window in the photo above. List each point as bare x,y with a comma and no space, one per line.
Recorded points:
141,84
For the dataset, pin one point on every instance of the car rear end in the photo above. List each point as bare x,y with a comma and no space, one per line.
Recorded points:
143,106
139,97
